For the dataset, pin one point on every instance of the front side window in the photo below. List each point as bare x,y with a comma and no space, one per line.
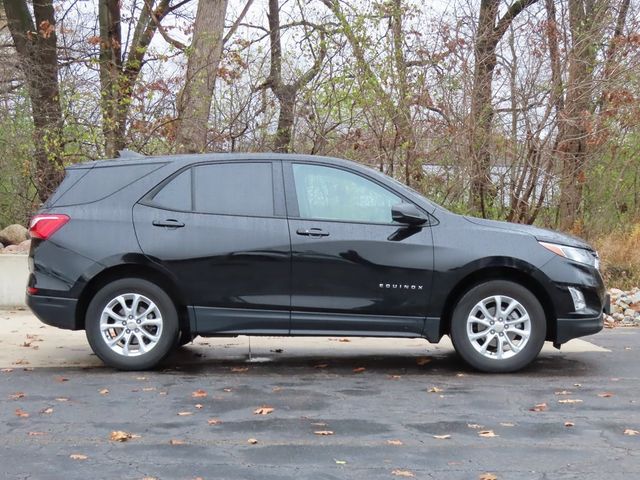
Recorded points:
326,193
234,188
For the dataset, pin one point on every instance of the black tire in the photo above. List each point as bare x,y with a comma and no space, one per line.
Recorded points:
465,346
168,336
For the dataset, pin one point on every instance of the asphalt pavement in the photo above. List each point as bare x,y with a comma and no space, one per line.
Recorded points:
319,408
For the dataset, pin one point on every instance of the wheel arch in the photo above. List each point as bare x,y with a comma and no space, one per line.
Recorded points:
144,271
508,273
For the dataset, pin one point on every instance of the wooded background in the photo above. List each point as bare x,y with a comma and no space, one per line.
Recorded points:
524,110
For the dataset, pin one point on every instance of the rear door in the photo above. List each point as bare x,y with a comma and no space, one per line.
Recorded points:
220,229
354,270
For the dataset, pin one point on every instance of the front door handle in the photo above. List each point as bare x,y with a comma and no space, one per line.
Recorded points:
312,232
168,223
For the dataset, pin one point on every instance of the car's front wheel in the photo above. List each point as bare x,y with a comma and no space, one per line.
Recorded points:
498,326
132,324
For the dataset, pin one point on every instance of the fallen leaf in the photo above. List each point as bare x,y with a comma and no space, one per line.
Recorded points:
323,432
319,424
199,394
16,396
21,413
341,462
239,369
395,377
214,421
321,365
22,361
120,436
141,378
474,425
359,370
569,424
276,389
423,360
77,456
104,391
487,434
227,390
435,390
198,406
47,411
487,476
176,442
344,340
184,414
252,441
460,374
563,392
578,385
149,389
62,399
264,410
508,424
6,370
605,395
61,379
36,434
442,437
631,432
570,400
539,407
403,473
394,442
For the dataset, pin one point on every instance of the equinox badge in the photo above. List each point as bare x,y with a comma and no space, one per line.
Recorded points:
403,286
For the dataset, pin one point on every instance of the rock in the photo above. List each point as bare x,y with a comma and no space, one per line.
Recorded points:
14,235
635,298
630,312
1,246
12,249
618,316
615,292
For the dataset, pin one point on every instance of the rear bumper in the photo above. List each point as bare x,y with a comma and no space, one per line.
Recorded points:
569,328
55,311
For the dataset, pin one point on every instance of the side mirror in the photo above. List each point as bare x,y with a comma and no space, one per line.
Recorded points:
408,214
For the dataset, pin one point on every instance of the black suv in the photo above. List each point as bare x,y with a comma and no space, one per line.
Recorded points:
146,253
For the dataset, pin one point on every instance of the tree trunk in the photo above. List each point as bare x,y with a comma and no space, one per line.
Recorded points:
489,32
573,131
36,43
194,105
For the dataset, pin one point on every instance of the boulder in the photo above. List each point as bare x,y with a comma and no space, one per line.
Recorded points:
14,235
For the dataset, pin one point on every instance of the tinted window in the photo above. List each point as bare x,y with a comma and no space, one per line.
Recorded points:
327,193
175,195
234,189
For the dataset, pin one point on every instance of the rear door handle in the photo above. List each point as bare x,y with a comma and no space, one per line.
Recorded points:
312,232
168,223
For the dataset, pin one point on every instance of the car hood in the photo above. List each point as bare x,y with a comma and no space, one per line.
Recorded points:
541,234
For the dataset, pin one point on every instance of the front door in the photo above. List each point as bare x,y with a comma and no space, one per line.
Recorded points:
353,268
220,230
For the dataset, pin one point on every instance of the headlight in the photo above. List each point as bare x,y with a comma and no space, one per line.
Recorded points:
572,253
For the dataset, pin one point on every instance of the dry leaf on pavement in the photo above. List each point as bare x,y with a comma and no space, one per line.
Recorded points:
569,424
264,410
120,436
173,441
475,426
539,407
423,360
17,396
77,456
21,413
442,437
47,411
563,392
487,476
631,432
214,421
359,370
199,394
435,390
104,391
252,441
239,369
402,473
323,432
570,400
605,395
184,414
394,442
487,434
321,365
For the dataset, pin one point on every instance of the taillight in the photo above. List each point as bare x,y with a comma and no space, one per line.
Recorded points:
43,226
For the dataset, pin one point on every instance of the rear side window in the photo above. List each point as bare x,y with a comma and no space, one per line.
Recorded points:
90,185
234,189
175,195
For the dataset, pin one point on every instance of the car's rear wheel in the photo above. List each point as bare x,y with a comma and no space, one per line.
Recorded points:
132,324
498,326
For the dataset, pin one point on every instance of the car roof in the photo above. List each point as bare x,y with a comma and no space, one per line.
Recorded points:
187,159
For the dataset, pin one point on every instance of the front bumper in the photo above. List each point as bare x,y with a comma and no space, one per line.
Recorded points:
568,328
55,311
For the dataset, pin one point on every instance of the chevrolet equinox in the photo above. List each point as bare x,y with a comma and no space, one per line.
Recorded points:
145,253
